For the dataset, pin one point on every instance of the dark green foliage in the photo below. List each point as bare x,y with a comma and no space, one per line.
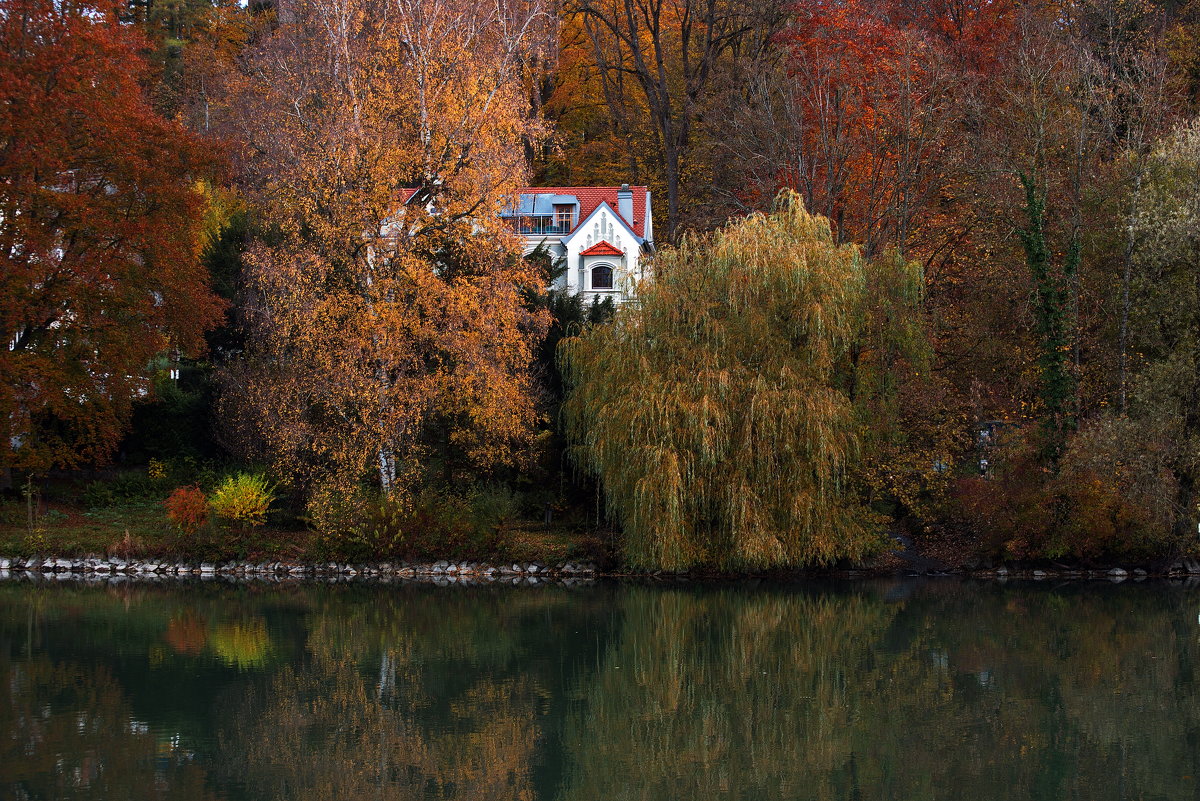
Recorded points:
434,523
133,486
1051,296
177,423
569,315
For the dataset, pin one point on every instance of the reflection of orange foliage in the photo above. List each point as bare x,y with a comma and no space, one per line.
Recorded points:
187,634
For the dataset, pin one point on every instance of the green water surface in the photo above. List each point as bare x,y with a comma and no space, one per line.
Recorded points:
891,690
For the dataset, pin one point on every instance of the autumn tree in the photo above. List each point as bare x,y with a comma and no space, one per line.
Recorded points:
656,62
720,411
1131,96
379,140
183,39
100,232
1165,319
856,117
867,112
601,135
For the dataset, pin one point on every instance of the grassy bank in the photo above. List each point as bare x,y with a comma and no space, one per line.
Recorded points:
137,530
123,514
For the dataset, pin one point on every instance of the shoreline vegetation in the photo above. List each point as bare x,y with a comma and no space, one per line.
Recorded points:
921,289
133,539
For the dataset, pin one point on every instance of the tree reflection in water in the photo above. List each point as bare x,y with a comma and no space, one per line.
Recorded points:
957,692
852,691
68,733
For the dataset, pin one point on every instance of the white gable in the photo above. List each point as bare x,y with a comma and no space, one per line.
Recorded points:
600,275
603,225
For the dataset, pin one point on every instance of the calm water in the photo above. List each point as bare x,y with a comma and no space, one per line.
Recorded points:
840,691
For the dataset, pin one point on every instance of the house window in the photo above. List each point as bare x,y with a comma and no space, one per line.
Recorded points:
602,277
563,216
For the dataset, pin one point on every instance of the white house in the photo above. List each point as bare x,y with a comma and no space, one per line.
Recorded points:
604,233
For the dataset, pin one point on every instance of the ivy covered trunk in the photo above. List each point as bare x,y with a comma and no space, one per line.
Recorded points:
1051,307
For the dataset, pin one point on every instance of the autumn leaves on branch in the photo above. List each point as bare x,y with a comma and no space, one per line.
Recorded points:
101,226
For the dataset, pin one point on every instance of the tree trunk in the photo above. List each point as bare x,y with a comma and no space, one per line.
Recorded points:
1126,282
387,471
671,153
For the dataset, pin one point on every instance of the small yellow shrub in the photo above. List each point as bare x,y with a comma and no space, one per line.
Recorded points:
244,498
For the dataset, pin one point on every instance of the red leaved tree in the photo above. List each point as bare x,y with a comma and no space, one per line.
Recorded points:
100,231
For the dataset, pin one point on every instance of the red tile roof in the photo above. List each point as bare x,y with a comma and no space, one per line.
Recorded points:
602,248
590,197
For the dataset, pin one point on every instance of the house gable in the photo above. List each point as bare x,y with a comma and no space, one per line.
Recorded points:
604,224
602,233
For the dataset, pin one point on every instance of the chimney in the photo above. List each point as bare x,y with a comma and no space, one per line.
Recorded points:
625,203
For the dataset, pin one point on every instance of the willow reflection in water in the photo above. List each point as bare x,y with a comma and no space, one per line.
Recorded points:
970,693
916,691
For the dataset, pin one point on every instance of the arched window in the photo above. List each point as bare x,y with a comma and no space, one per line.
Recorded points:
602,277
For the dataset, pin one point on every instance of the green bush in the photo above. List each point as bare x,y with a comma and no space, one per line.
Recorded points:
98,495
439,523
493,505
205,473
134,486
355,525
243,498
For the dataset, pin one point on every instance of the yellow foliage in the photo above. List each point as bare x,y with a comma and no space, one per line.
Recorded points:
715,409
244,498
243,645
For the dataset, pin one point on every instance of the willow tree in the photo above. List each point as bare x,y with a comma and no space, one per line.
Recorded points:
1165,313
718,410
379,139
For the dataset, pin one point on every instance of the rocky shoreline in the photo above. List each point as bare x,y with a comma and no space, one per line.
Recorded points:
96,568
1180,568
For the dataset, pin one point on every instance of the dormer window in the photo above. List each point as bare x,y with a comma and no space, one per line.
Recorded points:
602,277
564,216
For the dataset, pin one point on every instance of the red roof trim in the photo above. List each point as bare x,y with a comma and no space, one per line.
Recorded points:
602,248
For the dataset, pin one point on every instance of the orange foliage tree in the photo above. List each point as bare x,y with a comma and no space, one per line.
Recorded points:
655,64
100,232
381,140
866,123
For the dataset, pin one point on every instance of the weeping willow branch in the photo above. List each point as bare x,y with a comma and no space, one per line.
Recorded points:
717,409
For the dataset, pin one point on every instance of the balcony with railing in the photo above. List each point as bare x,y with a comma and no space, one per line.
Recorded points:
542,214
540,225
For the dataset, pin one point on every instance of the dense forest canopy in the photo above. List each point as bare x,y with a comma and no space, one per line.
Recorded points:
222,185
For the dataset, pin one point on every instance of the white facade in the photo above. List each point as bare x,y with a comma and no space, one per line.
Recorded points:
605,251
